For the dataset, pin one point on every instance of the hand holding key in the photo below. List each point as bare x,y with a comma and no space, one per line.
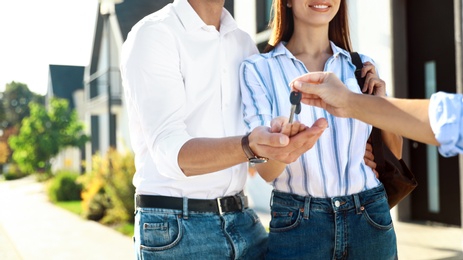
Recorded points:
295,99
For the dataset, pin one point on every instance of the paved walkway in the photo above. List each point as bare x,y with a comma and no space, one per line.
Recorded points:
31,228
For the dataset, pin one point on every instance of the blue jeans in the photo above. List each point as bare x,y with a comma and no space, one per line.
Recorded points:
169,234
356,227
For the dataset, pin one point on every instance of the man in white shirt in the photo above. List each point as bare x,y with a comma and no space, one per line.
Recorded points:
180,74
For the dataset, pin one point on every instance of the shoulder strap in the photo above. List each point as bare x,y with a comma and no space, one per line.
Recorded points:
376,139
357,61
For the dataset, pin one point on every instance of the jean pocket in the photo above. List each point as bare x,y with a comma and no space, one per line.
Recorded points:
284,220
252,215
161,235
378,215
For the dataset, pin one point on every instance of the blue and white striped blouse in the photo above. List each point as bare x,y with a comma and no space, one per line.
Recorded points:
335,165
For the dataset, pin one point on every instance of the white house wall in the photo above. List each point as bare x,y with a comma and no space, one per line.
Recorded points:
371,34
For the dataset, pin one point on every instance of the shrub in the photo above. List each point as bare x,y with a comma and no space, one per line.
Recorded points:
12,173
108,189
64,187
95,202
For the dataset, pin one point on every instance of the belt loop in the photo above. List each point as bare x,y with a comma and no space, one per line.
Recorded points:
271,198
307,207
135,196
241,200
357,204
185,208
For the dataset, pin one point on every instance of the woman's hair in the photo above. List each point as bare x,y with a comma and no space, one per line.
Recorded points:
282,25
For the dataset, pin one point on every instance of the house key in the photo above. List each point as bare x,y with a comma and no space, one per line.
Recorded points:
295,99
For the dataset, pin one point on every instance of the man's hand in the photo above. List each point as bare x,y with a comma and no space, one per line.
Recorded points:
263,141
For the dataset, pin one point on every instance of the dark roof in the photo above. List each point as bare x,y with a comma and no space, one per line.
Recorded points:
65,80
130,12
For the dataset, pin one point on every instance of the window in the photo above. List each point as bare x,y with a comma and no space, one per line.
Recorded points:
263,14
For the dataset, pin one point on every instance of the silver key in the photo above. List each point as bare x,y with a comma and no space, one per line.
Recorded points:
295,99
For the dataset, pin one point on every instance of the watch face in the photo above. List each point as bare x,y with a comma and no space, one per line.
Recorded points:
258,160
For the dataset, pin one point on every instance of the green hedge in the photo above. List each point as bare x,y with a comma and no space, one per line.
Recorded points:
64,187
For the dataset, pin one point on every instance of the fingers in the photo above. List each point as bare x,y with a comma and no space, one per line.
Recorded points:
370,163
276,125
369,158
262,136
369,152
368,67
321,124
312,77
298,144
373,84
302,142
293,129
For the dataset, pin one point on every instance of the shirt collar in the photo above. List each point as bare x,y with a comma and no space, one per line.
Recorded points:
280,49
191,20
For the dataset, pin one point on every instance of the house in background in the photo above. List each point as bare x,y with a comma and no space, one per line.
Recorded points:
67,82
105,117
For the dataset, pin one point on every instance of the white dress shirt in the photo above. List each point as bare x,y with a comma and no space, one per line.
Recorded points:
181,81
335,165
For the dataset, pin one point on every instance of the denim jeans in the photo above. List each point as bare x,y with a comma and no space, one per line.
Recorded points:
169,234
356,227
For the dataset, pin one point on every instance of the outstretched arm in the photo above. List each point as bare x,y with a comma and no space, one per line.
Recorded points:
405,117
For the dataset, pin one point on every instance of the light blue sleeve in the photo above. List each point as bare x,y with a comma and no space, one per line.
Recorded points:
446,116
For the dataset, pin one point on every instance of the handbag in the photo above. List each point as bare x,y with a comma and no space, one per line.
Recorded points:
395,175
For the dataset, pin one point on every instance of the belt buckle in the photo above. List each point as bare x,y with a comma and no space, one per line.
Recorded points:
219,206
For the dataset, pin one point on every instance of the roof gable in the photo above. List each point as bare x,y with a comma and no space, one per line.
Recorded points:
65,80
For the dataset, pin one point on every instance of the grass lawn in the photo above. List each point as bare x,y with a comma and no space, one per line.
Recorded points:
73,206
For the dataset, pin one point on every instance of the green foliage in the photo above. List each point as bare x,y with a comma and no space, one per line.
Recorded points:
108,189
119,187
126,229
13,173
44,134
14,104
74,206
64,187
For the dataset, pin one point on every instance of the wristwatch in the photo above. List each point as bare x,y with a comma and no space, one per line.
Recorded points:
252,158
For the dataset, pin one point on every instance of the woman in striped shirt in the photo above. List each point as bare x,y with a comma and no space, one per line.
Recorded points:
328,204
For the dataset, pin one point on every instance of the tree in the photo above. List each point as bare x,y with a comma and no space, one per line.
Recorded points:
44,134
15,104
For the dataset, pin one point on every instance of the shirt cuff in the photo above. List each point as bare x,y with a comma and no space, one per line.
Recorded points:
166,156
445,116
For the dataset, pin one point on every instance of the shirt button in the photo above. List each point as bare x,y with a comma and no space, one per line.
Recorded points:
337,203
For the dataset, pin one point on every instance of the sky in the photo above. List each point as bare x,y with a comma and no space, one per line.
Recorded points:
37,33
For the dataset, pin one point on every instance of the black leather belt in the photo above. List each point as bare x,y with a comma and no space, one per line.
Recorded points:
219,205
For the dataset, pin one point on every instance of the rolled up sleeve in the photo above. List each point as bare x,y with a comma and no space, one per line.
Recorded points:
445,116
156,96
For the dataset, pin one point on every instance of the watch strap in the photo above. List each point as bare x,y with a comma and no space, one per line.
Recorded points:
249,153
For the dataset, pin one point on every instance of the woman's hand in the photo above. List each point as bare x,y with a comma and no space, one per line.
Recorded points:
369,158
280,125
373,84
